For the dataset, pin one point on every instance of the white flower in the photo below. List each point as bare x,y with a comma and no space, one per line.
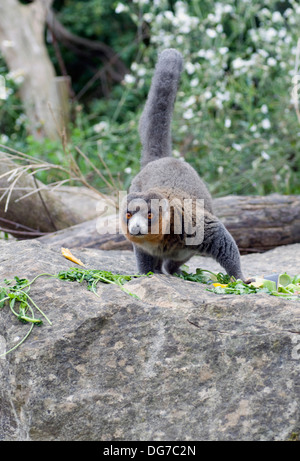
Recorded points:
207,94
288,12
128,170
4,138
292,20
253,128
194,82
265,12
201,53
188,114
148,17
210,54
101,126
190,101
169,15
271,62
266,124
263,53
211,33
223,50
211,17
16,75
190,68
276,17
264,109
268,34
206,54
227,8
183,128
265,155
288,39
5,92
176,153
227,123
238,63
120,8
282,33
128,78
225,96
237,147
141,71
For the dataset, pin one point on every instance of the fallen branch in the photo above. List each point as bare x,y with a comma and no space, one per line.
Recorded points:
257,223
29,208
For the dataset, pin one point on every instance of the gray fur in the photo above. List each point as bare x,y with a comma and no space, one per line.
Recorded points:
172,173
169,177
155,122
146,262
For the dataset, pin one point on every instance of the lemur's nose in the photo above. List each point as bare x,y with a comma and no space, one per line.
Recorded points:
137,225
135,230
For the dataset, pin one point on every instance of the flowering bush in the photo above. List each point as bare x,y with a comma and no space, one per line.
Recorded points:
235,119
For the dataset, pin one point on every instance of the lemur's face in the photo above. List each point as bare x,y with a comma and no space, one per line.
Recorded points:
143,217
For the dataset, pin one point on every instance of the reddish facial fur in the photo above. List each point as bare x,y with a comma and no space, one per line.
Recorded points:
151,238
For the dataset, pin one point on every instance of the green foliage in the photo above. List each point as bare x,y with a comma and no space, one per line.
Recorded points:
93,276
204,276
288,287
15,293
234,119
12,119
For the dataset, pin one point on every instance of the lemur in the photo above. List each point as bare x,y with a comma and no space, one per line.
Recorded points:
147,219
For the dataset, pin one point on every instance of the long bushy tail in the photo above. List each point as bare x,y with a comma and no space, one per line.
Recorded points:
155,122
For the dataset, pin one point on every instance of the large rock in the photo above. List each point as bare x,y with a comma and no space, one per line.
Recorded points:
181,363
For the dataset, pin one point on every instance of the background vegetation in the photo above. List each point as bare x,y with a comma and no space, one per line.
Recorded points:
234,121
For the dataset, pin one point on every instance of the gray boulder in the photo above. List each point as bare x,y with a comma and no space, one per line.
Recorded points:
180,363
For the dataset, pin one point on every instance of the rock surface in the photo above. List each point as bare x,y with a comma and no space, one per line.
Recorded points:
181,363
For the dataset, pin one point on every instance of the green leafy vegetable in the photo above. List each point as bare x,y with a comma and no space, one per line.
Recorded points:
92,277
16,293
204,276
288,287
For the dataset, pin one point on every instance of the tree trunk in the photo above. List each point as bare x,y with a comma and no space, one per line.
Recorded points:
44,211
258,224
79,217
23,47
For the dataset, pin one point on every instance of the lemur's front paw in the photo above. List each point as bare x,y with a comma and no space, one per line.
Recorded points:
248,281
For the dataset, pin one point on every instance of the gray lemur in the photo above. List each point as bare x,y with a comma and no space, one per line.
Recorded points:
158,231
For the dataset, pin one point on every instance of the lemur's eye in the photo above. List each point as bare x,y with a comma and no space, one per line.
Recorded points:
150,215
128,215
